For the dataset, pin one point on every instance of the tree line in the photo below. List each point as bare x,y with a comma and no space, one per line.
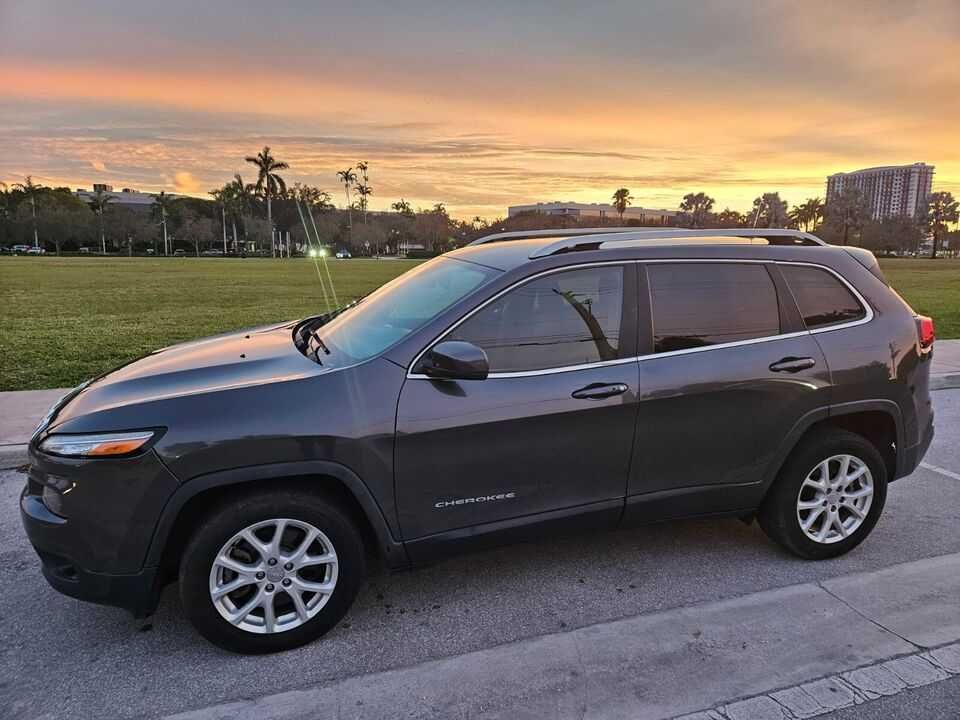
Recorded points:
845,219
267,216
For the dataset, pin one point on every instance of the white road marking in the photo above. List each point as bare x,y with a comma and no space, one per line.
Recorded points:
942,471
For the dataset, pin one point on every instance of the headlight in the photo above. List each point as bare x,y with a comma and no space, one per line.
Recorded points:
97,445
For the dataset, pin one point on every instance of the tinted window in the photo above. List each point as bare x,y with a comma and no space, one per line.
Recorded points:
700,304
558,320
821,297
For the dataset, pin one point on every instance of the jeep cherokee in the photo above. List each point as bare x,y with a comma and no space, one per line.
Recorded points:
528,383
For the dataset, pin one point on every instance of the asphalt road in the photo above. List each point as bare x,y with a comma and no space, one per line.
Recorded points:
940,701
64,658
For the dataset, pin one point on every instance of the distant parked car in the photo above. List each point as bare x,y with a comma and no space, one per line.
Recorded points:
36,251
151,251
18,249
343,254
84,251
179,252
213,252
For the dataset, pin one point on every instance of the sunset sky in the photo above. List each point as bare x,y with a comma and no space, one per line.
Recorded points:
481,105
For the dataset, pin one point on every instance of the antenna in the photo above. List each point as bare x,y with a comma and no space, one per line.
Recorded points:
326,298
323,256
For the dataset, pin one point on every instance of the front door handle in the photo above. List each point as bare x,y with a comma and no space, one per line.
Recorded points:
793,364
598,391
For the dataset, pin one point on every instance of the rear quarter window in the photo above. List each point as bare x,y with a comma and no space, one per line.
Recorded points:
823,298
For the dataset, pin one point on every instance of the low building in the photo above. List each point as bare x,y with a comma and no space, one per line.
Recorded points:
601,211
127,197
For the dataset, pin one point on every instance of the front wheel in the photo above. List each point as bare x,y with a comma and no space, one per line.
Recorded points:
271,571
828,496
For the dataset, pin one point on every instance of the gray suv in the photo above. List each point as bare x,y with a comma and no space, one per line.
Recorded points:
526,384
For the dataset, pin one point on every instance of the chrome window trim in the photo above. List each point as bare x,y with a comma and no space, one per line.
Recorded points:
653,356
523,373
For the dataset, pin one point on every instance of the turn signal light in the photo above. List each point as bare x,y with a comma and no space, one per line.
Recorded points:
96,445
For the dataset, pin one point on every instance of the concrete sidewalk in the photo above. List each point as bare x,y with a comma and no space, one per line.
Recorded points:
808,648
21,410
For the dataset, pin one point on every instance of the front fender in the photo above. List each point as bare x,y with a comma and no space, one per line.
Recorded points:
389,548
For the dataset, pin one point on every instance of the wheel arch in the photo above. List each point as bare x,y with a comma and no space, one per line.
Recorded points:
879,421
198,495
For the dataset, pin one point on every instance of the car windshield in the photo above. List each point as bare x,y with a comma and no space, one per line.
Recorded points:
392,312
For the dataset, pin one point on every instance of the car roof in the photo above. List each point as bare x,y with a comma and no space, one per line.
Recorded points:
506,251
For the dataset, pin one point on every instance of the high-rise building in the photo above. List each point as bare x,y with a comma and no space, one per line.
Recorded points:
891,190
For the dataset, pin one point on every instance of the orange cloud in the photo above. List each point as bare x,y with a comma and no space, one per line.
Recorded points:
185,183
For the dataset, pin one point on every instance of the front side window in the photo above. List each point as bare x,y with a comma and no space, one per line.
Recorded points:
557,320
702,304
823,300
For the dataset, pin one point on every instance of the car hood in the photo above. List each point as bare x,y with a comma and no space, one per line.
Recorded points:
223,362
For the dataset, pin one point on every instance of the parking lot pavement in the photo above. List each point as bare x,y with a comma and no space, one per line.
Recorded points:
61,657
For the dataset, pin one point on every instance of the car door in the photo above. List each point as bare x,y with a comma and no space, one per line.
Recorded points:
550,429
727,373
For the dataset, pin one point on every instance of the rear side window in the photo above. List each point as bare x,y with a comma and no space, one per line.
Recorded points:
558,320
823,300
701,304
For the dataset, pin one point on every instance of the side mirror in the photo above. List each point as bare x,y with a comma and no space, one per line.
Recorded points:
455,360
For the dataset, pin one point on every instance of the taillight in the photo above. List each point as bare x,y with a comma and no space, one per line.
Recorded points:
925,331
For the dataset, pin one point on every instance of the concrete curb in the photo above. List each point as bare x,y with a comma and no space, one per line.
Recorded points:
946,381
12,456
734,655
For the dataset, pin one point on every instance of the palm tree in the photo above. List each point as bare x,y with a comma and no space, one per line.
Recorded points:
696,208
813,213
770,211
32,191
162,204
241,198
363,191
269,183
621,199
942,208
363,166
403,207
99,203
849,210
728,218
348,177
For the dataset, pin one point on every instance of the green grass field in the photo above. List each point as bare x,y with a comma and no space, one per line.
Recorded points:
67,319
64,320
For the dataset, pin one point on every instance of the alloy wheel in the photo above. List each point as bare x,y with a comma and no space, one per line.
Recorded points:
273,576
835,499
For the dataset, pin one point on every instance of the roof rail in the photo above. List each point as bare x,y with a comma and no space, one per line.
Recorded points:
529,234
774,236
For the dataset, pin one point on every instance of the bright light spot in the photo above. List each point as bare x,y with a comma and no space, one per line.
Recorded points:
323,252
313,252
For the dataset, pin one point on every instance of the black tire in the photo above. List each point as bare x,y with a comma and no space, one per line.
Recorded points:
218,527
778,513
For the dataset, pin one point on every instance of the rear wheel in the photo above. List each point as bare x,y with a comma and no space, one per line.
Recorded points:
271,571
828,497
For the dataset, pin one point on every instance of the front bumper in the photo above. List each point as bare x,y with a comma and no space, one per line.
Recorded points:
96,549
137,592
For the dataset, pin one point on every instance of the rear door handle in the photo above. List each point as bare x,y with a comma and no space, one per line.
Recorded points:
598,391
793,364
